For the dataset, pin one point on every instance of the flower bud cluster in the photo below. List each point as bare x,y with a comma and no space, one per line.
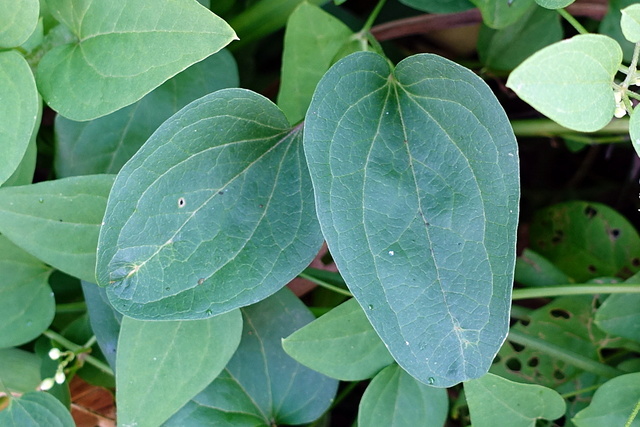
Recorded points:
64,358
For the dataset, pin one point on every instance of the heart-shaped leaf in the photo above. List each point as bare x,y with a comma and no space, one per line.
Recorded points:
26,301
104,145
493,399
19,109
341,344
395,398
162,365
36,409
262,385
570,81
415,174
18,19
57,221
213,213
117,61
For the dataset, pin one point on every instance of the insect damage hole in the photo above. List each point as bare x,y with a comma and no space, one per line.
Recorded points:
181,202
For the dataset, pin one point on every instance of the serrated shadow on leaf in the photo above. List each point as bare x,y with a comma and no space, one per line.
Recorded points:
416,181
223,214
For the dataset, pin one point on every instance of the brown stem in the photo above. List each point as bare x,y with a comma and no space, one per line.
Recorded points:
424,24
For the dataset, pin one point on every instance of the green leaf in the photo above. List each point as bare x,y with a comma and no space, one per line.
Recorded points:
18,19
162,365
630,23
26,301
311,43
610,26
117,61
439,6
416,180
197,226
342,344
57,221
532,269
505,49
554,4
395,398
19,109
612,404
19,370
261,385
23,175
493,399
104,145
586,240
36,409
619,314
502,13
570,81
105,321
634,130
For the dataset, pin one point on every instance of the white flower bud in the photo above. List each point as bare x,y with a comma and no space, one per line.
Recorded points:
620,111
55,353
618,96
46,384
60,377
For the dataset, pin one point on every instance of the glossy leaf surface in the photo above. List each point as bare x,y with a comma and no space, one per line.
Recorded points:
312,41
162,365
341,344
395,398
493,399
26,301
19,109
57,221
570,81
104,145
117,61
416,180
213,213
18,19
36,409
612,404
262,385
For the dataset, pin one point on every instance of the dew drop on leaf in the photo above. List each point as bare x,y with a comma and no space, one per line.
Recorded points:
370,307
432,380
391,253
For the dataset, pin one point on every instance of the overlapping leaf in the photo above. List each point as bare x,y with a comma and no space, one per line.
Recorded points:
162,365
18,19
36,409
262,385
613,404
103,145
19,370
19,109
570,81
416,180
105,321
117,61
57,221
213,213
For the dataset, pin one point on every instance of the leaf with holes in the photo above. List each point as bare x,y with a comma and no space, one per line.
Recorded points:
341,344
493,399
123,58
395,398
415,174
213,213
262,385
570,81
162,365
104,145
586,240
57,221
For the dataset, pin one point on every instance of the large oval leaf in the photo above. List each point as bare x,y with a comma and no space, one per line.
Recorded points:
104,145
57,221
19,109
213,213
162,365
26,301
117,61
415,174
570,81
261,385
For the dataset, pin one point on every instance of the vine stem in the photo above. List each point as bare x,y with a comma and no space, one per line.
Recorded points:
374,14
554,291
75,348
568,356
633,415
325,285
573,21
